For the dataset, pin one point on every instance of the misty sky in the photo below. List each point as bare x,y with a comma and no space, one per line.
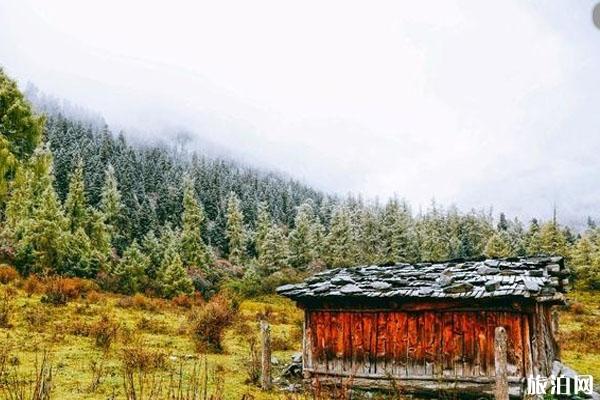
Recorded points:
471,102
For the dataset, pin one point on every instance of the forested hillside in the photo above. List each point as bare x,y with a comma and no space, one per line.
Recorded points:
78,199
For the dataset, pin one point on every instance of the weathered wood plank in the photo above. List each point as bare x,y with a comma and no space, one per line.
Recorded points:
404,344
527,356
500,357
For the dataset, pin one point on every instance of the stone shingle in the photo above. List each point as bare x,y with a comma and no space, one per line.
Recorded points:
543,277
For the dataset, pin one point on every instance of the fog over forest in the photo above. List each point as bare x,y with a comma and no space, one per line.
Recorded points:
476,106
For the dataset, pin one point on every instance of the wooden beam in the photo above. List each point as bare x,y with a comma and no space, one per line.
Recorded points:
430,388
500,357
265,378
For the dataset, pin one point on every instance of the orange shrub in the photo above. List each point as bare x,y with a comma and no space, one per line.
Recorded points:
104,331
183,300
8,274
59,291
578,308
93,297
33,285
140,302
208,322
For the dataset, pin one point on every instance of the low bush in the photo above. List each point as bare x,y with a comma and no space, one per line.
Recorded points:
94,297
104,331
578,308
207,323
75,327
8,274
59,290
33,285
136,356
183,300
140,302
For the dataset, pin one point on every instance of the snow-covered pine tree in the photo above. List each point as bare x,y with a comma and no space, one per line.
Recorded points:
45,233
498,246
300,239
552,239
152,247
318,243
235,230
339,239
533,239
194,252
130,271
275,254
76,205
263,224
369,241
397,232
172,277
111,206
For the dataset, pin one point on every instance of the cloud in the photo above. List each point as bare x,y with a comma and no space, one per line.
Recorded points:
463,101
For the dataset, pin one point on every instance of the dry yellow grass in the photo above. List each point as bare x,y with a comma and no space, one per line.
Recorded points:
69,334
84,368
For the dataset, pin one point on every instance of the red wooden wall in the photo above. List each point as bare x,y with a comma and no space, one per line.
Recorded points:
413,344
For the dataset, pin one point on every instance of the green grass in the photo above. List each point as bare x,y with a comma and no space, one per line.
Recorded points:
580,333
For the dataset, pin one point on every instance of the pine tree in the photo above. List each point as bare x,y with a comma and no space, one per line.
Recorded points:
235,230
45,232
274,255
584,252
533,239
76,255
20,132
552,239
318,240
99,235
370,237
339,239
194,251
112,207
397,228
152,247
130,271
301,252
516,234
263,224
502,223
434,238
172,276
498,246
76,204
20,203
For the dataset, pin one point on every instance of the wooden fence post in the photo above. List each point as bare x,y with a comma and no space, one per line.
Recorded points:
500,351
265,378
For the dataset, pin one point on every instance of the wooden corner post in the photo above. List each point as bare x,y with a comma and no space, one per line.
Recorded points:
500,352
265,377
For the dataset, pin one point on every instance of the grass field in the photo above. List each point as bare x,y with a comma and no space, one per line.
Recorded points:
68,334
87,340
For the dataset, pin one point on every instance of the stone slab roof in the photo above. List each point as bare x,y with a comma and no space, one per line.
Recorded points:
541,278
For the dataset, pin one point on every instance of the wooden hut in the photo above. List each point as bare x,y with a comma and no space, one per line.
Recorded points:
429,327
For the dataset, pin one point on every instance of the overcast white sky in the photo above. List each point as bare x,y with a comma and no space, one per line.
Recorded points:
473,103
